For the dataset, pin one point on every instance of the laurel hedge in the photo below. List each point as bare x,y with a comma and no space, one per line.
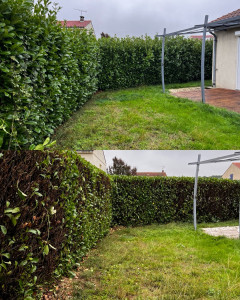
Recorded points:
54,206
133,61
46,72
143,200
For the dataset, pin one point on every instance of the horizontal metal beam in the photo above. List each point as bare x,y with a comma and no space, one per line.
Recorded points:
231,157
230,22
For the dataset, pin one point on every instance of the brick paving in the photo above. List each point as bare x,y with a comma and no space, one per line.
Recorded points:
223,98
231,232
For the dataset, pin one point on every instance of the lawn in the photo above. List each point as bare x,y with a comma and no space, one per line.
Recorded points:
160,262
145,118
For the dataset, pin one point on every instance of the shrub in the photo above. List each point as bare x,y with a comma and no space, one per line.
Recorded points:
128,62
144,200
54,206
46,72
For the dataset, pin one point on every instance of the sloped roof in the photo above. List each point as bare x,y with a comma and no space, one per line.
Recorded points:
163,174
79,24
232,14
237,165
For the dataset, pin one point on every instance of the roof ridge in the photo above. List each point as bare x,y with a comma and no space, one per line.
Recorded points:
232,14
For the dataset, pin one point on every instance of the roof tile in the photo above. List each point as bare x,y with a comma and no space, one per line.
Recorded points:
233,14
79,24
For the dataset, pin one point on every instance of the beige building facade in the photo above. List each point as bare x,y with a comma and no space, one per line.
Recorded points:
233,172
95,157
228,59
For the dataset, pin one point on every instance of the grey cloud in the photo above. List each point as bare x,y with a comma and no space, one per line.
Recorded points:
175,162
138,17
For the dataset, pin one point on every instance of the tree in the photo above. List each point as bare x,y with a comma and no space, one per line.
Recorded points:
119,167
105,35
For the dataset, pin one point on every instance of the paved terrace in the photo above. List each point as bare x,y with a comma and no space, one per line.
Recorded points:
223,98
229,231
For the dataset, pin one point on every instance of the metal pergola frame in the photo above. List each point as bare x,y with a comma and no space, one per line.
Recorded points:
232,157
211,27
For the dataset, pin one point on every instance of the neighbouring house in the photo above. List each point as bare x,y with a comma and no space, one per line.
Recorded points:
82,24
152,174
200,37
233,172
95,157
228,51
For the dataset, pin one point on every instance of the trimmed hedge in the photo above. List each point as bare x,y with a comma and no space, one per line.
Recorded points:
143,200
54,206
129,62
46,72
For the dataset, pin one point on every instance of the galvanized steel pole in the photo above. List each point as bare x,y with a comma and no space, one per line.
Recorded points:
203,59
195,194
162,62
214,59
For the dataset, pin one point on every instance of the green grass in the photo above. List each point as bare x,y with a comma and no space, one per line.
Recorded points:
161,262
145,118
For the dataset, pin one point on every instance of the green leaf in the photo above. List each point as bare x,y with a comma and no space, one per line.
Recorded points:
34,231
35,260
7,255
4,229
21,194
12,210
23,263
51,144
14,220
46,141
39,147
23,248
45,250
52,210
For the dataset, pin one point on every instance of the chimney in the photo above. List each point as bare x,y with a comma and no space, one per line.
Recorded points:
81,18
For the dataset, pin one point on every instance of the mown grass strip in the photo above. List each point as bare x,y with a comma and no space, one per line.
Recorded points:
161,262
145,118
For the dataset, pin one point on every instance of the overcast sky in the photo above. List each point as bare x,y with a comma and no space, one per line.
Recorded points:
174,163
140,17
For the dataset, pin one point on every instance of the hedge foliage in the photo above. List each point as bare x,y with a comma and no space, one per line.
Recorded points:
131,61
46,71
144,200
54,206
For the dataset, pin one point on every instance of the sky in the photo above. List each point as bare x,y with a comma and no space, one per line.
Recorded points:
140,17
174,162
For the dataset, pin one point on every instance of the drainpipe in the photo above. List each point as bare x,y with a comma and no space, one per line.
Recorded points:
214,59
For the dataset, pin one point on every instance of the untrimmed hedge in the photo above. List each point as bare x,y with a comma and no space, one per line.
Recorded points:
46,72
131,61
144,200
54,206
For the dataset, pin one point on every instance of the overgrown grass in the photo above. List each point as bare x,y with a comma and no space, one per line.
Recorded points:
145,118
161,262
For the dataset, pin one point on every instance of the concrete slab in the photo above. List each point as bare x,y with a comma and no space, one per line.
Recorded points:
231,232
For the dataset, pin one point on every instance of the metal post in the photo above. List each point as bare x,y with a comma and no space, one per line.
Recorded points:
203,59
162,62
195,194
214,60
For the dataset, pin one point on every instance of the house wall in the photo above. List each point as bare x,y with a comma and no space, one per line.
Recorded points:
232,170
227,59
89,26
95,157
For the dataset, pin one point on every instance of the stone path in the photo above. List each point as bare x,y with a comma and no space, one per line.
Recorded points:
223,98
231,232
